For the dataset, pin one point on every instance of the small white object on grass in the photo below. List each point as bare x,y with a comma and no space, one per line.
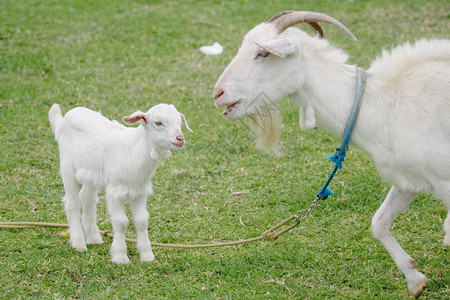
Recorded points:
215,49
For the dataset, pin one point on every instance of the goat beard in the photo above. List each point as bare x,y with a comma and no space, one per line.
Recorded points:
265,126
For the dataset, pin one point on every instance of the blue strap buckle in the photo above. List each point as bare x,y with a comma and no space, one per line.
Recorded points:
339,156
324,192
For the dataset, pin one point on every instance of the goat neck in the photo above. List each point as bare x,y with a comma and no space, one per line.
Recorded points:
153,152
330,95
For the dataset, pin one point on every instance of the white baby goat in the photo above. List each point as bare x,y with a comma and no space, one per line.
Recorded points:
404,122
101,154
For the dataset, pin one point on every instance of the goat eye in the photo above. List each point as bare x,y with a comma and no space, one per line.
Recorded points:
262,53
159,124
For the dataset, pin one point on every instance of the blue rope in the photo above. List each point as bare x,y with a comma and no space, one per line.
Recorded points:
339,156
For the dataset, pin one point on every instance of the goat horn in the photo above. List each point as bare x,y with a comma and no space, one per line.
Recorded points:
313,25
277,16
286,19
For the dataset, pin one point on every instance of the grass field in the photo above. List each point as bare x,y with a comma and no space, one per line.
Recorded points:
121,56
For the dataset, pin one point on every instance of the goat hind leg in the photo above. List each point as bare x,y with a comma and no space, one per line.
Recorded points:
447,229
88,196
394,204
72,206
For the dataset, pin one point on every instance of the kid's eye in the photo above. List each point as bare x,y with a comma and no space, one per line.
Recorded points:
159,124
262,53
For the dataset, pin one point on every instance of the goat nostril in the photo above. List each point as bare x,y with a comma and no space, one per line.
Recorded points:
218,94
180,138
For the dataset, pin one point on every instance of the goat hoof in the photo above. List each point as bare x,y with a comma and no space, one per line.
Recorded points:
417,287
94,241
121,260
146,257
79,247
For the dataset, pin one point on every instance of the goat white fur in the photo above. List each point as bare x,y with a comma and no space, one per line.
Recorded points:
403,124
101,154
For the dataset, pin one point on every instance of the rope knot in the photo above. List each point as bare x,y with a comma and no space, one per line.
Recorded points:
269,235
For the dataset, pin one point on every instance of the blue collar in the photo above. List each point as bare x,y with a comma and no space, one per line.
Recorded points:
341,151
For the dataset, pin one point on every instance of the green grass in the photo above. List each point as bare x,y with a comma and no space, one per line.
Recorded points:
120,56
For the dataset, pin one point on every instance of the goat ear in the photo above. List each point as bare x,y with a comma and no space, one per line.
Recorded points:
136,117
280,47
307,118
184,122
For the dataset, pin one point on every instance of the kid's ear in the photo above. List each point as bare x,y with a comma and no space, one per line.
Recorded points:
184,122
136,117
280,47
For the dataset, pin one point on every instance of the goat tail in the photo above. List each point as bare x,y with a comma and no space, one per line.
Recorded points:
55,116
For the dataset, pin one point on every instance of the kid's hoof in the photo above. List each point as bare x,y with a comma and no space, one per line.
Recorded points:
120,260
95,241
145,257
79,246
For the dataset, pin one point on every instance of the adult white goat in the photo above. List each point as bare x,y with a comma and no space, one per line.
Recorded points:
404,122
98,153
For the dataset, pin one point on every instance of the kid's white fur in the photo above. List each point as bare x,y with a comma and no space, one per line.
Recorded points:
97,154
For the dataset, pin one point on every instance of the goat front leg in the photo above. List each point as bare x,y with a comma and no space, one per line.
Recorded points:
119,221
394,204
140,214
